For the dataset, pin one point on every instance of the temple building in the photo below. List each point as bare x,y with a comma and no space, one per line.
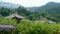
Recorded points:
7,29
15,16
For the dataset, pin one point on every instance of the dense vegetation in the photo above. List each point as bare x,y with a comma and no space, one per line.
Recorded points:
32,23
32,27
52,8
28,27
21,11
50,11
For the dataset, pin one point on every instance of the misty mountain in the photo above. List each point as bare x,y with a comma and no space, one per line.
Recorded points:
32,8
8,5
52,8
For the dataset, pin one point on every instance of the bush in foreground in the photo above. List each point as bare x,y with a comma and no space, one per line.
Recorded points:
29,27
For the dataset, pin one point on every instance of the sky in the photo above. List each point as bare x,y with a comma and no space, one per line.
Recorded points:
30,3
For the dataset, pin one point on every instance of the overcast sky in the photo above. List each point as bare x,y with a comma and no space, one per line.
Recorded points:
30,3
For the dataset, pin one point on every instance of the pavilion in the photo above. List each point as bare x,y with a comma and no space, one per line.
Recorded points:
15,16
4,28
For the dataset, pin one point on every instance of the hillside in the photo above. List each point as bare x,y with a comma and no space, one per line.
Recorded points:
50,11
52,8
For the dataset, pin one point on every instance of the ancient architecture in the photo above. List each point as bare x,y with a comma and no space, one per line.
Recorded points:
15,16
4,28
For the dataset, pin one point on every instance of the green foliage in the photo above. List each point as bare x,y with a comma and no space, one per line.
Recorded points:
27,13
52,8
23,11
7,21
33,27
5,11
30,27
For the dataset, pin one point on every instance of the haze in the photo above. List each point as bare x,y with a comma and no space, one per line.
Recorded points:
30,3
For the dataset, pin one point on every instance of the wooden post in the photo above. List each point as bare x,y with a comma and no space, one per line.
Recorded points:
11,32
2,32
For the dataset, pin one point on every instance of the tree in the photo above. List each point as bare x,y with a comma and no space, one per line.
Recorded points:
5,11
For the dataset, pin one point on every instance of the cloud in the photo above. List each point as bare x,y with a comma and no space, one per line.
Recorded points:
30,3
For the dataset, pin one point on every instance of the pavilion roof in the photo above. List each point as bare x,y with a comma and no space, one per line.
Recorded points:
14,15
5,26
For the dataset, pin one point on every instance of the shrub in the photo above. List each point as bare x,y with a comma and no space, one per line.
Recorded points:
29,27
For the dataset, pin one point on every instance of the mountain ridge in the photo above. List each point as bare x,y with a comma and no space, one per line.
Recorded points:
49,4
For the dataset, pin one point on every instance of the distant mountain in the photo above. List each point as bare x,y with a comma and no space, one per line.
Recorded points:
52,8
8,5
32,8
